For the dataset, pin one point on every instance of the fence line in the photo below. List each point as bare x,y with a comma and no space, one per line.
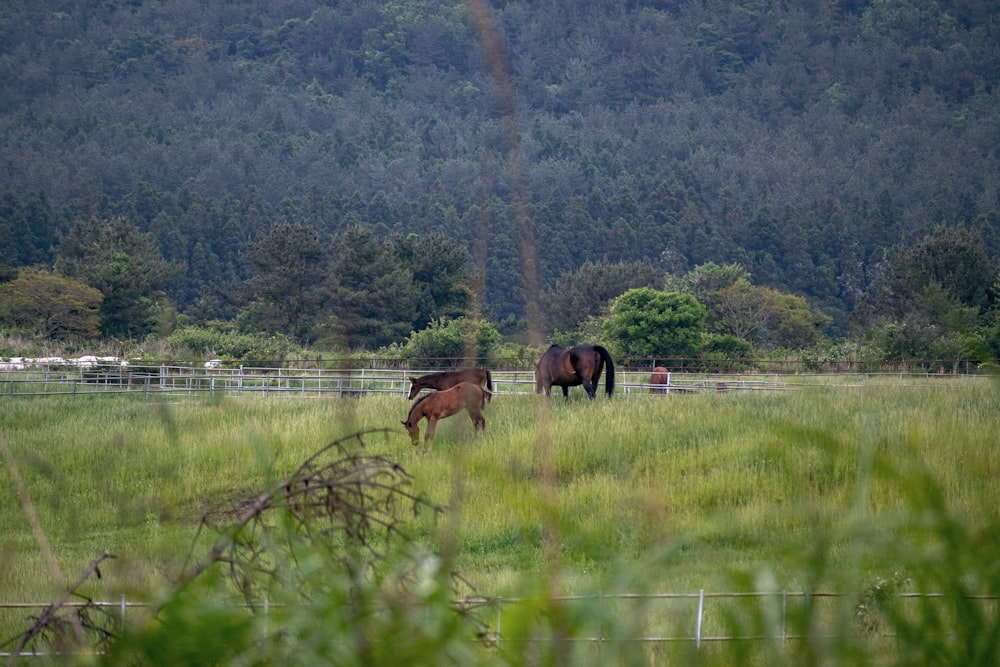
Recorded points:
175,381
697,623
291,382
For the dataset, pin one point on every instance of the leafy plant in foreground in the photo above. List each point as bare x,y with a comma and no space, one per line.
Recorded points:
319,568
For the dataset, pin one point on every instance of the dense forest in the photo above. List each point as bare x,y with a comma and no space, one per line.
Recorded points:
316,168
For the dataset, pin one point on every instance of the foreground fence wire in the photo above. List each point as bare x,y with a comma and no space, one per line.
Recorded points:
691,617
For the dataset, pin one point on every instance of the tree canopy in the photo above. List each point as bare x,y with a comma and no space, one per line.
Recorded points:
808,143
649,323
354,290
125,265
50,306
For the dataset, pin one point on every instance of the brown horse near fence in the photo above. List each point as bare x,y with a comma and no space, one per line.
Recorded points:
446,379
467,396
659,377
582,364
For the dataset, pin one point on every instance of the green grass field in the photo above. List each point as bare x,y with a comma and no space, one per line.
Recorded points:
812,489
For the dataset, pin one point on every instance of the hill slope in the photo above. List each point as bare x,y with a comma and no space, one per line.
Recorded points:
799,139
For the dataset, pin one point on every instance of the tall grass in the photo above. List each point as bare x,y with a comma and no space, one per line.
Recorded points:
822,489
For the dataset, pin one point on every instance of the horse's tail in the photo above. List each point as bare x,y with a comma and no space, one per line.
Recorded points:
609,378
489,379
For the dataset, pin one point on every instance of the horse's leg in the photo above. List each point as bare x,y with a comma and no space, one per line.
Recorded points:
477,418
478,421
429,434
565,389
590,388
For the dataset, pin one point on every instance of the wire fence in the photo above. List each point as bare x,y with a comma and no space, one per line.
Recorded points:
696,618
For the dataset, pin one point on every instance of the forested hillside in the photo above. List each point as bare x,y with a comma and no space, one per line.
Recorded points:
804,141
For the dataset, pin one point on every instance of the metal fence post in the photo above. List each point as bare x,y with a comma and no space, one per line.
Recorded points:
499,614
600,624
701,611
784,616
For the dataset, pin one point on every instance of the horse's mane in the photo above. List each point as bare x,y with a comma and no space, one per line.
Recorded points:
416,403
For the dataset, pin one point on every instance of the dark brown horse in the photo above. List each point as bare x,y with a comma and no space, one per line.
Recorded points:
467,396
582,364
446,379
658,379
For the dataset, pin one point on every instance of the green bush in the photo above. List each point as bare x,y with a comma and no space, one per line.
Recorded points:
446,340
646,323
724,353
231,346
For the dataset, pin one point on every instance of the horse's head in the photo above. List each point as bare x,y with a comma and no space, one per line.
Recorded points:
413,428
414,389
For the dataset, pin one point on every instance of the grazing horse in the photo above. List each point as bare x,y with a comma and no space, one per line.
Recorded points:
467,396
582,364
659,377
446,379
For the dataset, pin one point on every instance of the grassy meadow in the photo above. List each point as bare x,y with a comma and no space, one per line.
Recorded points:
834,488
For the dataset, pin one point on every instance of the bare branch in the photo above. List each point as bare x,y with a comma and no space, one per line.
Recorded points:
66,626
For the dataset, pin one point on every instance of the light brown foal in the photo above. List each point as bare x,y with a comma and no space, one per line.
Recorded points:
445,403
